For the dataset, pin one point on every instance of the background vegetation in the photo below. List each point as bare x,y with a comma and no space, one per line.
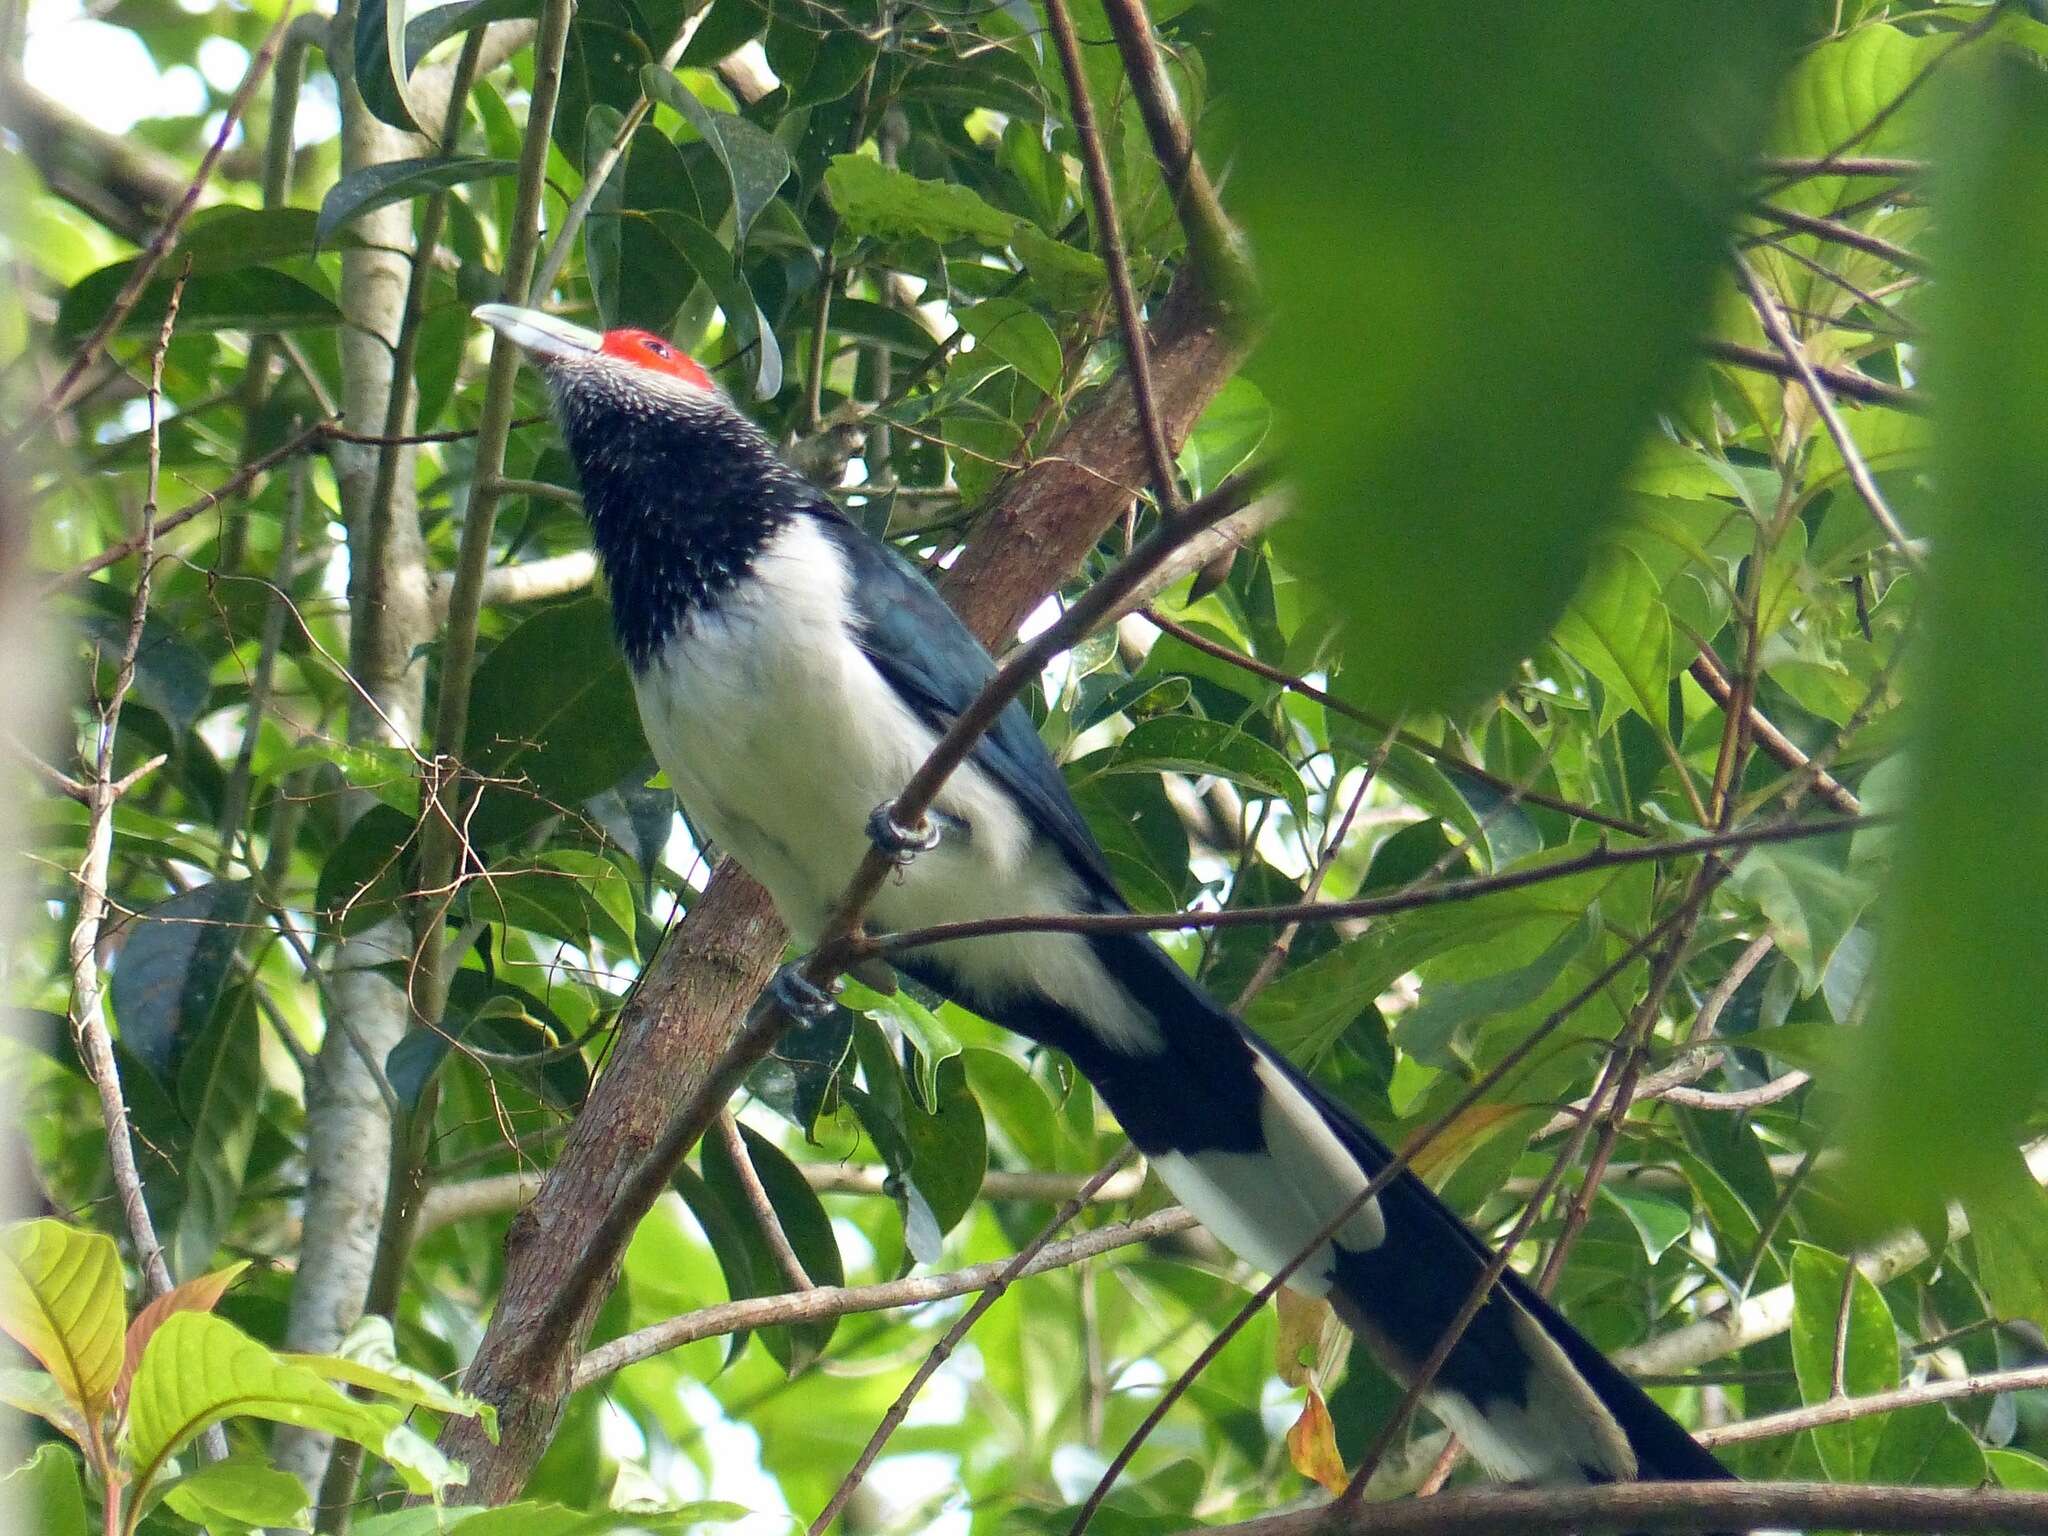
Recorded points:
1642,689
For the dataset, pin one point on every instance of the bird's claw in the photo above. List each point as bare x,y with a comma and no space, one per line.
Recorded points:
801,997
899,842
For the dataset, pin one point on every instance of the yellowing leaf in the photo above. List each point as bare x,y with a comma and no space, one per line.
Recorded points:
61,1300
1312,1445
1298,1342
1470,1126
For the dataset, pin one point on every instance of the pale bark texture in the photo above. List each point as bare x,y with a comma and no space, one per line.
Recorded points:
1038,528
348,1129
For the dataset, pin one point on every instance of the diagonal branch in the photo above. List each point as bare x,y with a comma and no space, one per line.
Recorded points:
1364,906
1780,331
1109,236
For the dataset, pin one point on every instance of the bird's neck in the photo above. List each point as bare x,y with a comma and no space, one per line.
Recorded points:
680,505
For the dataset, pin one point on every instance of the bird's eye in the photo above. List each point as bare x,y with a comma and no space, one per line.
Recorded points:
660,349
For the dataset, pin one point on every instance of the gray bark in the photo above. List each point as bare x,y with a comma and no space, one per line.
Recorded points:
348,1129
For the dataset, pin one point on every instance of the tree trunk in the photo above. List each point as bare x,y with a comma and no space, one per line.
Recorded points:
348,1129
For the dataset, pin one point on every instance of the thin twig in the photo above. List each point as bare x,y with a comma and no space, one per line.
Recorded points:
942,1351
829,1301
1801,169
1777,1089
756,1194
1846,382
1838,233
1364,906
88,990
1780,332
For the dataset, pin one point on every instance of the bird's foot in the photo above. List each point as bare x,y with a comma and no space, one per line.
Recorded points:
802,998
901,843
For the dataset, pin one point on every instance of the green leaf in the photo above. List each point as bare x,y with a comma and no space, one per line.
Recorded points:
1463,406
1618,628
47,1490
241,1492
368,1358
1810,904
1186,744
1070,280
1013,331
434,26
1952,1060
61,1300
1870,1357
1229,431
570,894
250,299
1839,89
168,983
948,1146
200,1369
1659,1222
37,1392
380,71
1427,1030
797,1076
894,328
1927,1447
395,181
2020,1471
551,709
728,284
754,162
879,200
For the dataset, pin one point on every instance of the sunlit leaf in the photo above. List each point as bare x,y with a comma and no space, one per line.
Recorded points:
61,1300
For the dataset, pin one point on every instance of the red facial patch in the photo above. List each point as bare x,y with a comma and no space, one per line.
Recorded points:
646,350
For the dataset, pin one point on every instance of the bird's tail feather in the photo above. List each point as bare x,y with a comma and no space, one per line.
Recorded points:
1267,1159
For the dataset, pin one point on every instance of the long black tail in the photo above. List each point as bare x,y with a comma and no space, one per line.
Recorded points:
1266,1159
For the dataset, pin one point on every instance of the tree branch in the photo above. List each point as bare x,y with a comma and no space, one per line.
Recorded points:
1109,236
1846,382
1780,331
1365,906
827,1301
1025,1258
1839,1410
1655,1508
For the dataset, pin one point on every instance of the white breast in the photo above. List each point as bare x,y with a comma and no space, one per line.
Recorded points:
781,738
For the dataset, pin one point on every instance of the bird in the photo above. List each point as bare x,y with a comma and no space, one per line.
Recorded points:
792,672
